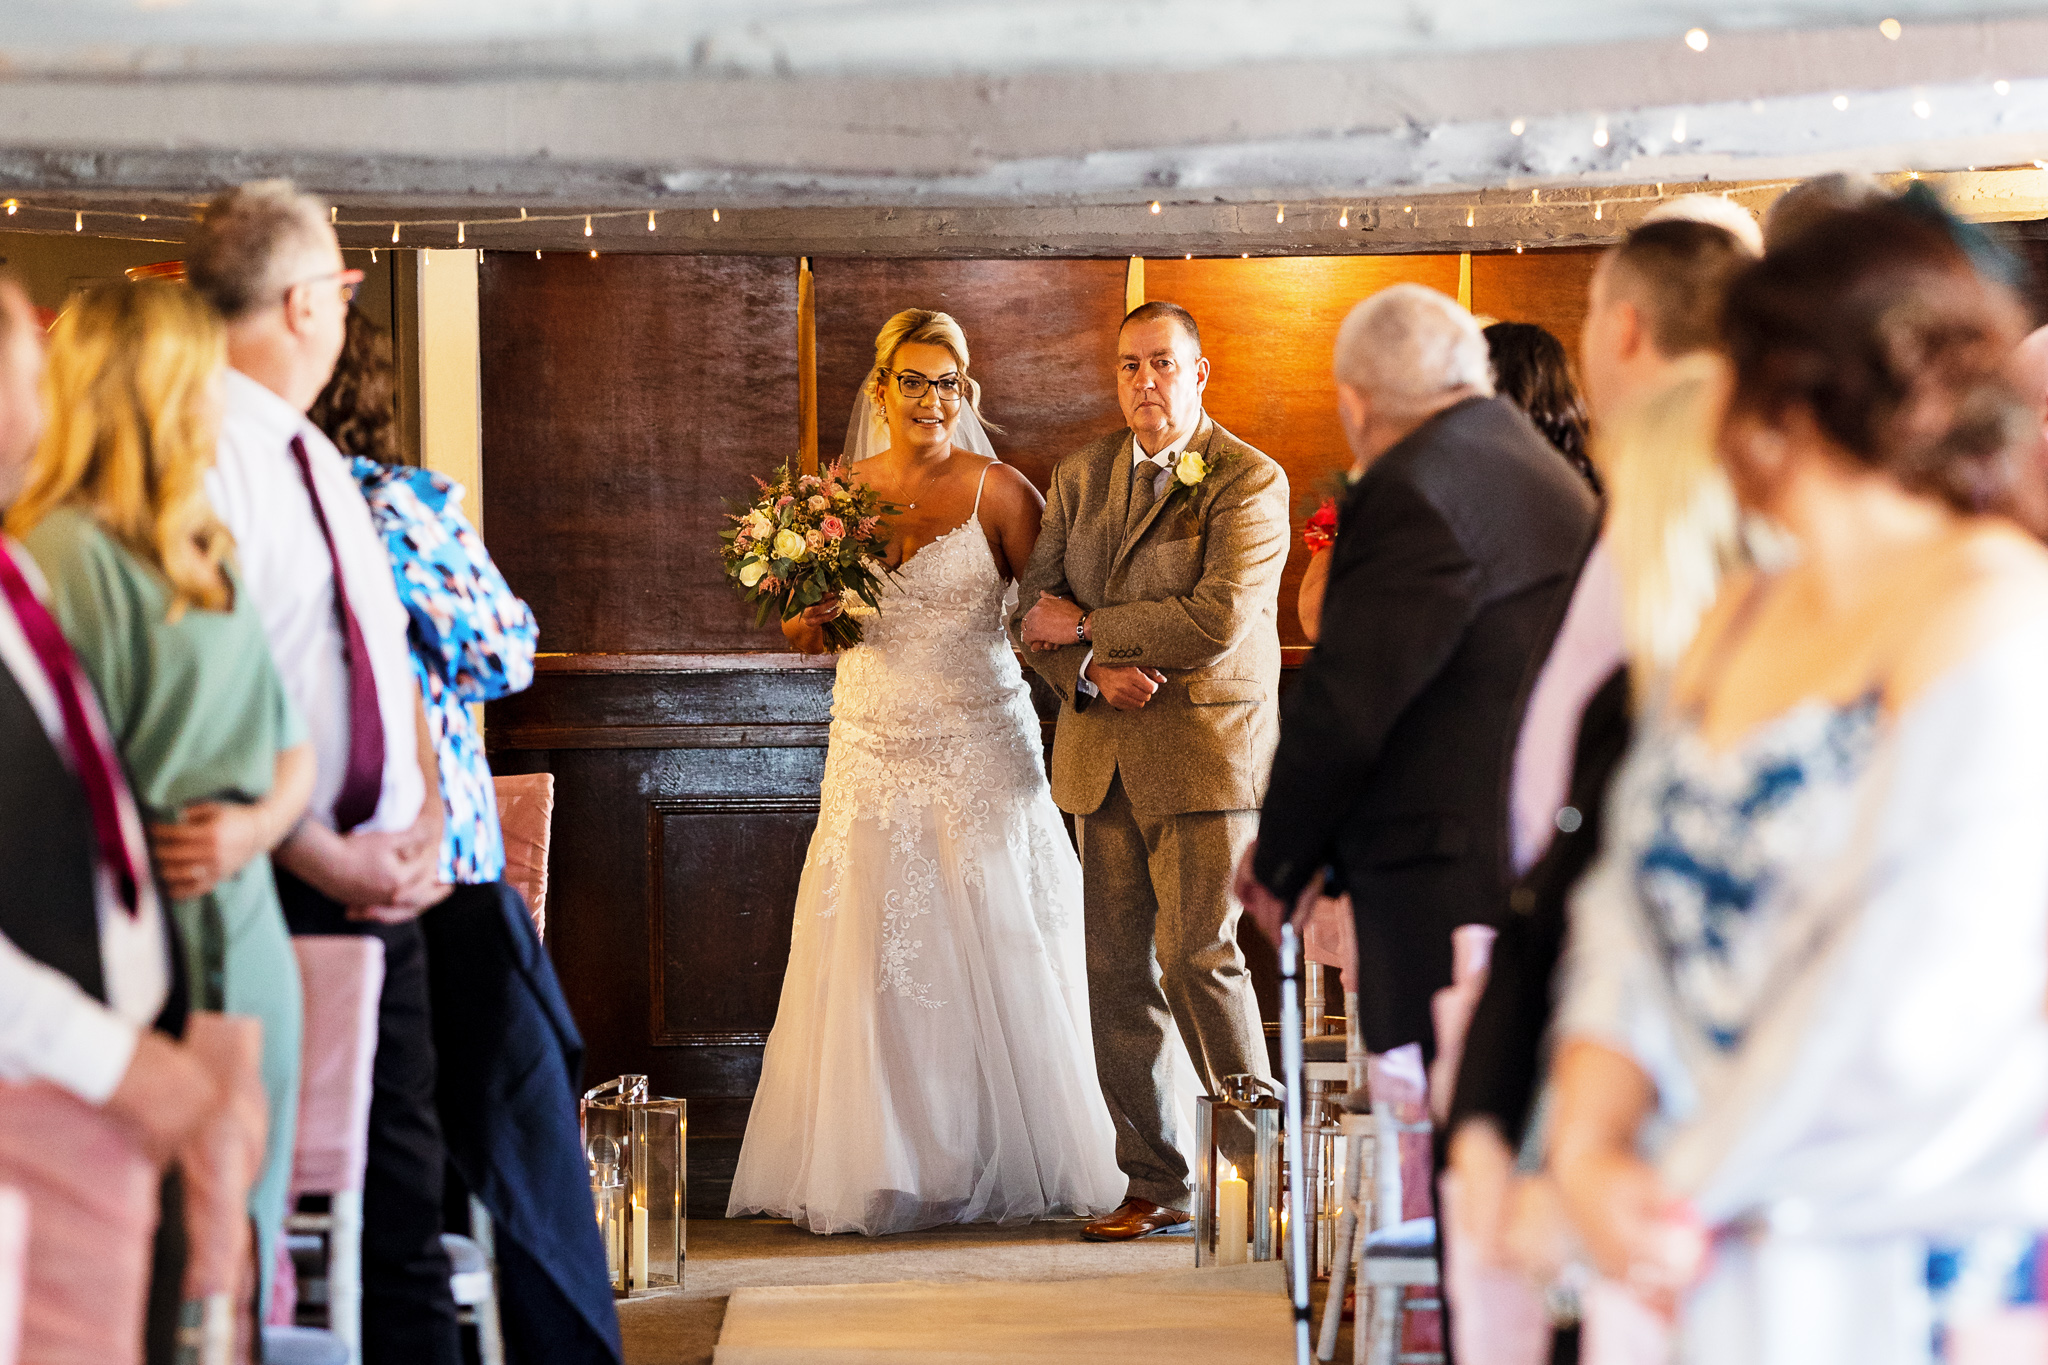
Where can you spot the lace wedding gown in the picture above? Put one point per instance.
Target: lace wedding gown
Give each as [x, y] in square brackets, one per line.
[931, 1060]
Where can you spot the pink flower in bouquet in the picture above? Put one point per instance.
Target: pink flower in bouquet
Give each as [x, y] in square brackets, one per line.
[833, 527]
[819, 502]
[784, 501]
[868, 526]
[815, 539]
[808, 481]
[771, 585]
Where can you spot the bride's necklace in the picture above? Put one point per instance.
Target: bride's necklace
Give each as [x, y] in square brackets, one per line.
[923, 489]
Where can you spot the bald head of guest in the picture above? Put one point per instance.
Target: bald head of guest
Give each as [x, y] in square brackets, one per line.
[1403, 356]
[21, 373]
[1655, 299]
[267, 260]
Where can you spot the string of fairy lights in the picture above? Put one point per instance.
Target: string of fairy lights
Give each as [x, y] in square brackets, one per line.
[1442, 213]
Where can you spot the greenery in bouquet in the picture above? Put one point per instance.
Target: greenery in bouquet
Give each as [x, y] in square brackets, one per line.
[806, 537]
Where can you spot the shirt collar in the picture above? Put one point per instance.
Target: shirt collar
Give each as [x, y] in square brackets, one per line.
[249, 401]
[1165, 458]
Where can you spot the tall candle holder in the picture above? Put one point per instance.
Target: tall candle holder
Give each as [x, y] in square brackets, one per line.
[1261, 1192]
[650, 1136]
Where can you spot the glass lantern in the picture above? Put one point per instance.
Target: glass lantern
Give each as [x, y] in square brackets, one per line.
[1237, 1213]
[650, 1137]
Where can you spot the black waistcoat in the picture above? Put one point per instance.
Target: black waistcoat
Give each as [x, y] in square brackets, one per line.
[46, 848]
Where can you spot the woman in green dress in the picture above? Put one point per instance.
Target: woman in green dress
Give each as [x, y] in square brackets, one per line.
[142, 582]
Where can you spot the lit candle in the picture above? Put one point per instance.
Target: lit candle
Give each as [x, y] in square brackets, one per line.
[1233, 1217]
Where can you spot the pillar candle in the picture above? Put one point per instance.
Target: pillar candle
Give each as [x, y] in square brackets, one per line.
[640, 1274]
[1233, 1218]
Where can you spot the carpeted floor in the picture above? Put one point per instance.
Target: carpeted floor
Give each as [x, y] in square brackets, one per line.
[680, 1327]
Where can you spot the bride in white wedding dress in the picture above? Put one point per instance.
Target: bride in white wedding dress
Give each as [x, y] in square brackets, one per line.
[931, 1060]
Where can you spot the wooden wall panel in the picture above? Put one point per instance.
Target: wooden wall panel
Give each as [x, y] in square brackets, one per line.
[1547, 288]
[1268, 326]
[1042, 336]
[623, 399]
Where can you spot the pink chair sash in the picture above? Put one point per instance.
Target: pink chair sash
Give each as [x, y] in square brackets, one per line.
[13, 1270]
[342, 976]
[526, 809]
[92, 1213]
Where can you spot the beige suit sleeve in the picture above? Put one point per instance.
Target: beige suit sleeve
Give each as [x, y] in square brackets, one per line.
[1244, 552]
[1047, 572]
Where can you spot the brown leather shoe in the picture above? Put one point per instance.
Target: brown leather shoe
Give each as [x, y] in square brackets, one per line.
[1135, 1218]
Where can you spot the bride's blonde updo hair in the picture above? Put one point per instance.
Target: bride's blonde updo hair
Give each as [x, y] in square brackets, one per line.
[923, 327]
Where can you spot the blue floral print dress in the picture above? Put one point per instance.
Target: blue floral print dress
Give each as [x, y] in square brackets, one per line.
[473, 640]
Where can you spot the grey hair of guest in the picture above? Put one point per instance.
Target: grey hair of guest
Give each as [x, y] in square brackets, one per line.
[1409, 346]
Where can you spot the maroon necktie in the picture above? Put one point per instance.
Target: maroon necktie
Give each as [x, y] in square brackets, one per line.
[98, 772]
[363, 780]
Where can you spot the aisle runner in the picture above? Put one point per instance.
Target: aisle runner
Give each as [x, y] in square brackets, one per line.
[1232, 1314]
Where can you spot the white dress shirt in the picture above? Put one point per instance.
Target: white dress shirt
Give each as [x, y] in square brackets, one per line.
[256, 489]
[1163, 462]
[50, 1028]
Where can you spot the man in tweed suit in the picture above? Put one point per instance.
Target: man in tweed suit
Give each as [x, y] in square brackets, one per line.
[1149, 605]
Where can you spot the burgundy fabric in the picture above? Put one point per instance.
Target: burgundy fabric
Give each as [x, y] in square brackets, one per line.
[98, 771]
[363, 781]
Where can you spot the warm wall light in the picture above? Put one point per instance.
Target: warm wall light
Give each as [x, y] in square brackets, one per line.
[593, 253]
[1518, 248]
[586, 225]
[650, 220]
[1519, 127]
[536, 253]
[461, 233]
[1891, 29]
[373, 255]
[522, 215]
[1155, 206]
[1841, 102]
[394, 232]
[1600, 133]
[78, 222]
[1471, 218]
[1596, 213]
[1696, 39]
[333, 212]
[2001, 87]
[1678, 129]
[714, 215]
[1344, 218]
[12, 205]
[1923, 108]
[1280, 213]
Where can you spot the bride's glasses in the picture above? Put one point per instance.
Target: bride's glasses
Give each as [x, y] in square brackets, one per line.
[911, 384]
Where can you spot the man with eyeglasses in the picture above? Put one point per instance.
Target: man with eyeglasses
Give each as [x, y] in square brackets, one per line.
[366, 859]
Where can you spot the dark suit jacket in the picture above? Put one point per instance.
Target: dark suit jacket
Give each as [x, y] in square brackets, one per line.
[1503, 1061]
[1455, 557]
[509, 1065]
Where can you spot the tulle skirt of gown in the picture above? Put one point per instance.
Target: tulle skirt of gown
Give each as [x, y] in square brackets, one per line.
[931, 1060]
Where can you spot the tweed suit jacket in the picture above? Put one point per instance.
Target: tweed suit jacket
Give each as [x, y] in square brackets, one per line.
[1192, 590]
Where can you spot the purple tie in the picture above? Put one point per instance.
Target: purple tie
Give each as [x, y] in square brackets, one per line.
[363, 781]
[98, 772]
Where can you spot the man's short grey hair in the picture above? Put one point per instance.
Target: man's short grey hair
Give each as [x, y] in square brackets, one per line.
[249, 240]
[1408, 346]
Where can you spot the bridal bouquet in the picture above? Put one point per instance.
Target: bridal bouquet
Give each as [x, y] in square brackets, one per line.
[807, 536]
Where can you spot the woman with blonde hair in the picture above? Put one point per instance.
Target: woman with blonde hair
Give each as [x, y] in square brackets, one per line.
[932, 1060]
[142, 581]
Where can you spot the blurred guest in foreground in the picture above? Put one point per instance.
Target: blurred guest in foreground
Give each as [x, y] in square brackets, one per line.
[1531, 370]
[366, 859]
[143, 581]
[96, 1092]
[508, 1050]
[1803, 1067]
[1668, 531]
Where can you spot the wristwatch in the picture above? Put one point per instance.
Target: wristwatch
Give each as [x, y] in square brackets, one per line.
[1081, 628]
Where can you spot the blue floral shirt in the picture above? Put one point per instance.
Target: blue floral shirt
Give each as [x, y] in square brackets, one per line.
[472, 640]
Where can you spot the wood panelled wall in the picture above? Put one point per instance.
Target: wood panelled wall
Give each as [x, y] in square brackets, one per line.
[625, 400]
